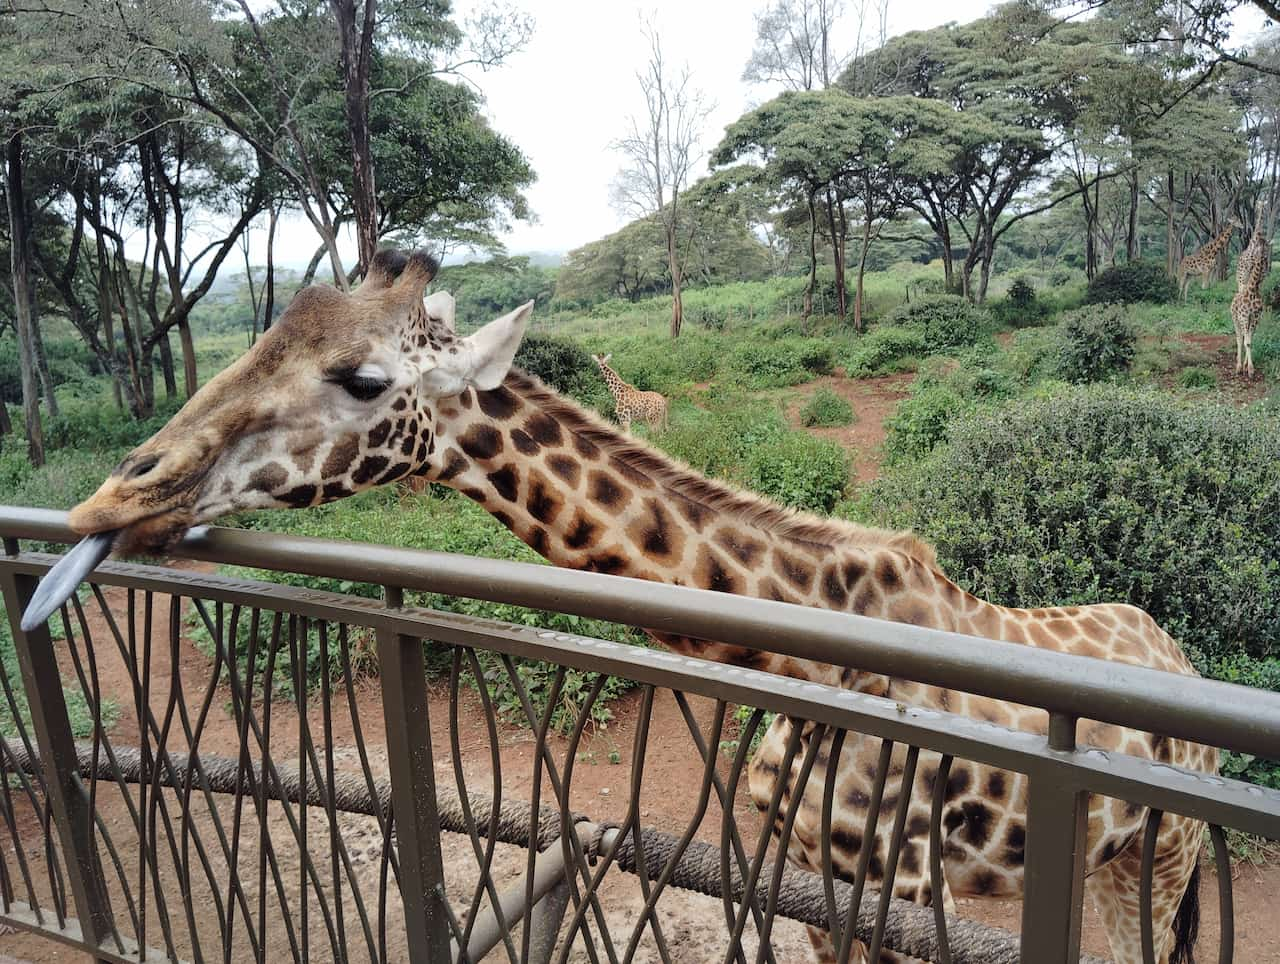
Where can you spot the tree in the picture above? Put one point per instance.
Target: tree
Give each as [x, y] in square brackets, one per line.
[659, 154]
[24, 299]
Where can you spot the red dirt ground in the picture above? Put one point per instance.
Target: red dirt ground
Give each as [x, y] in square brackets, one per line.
[874, 400]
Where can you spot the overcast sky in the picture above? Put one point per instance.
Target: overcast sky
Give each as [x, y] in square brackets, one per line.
[565, 99]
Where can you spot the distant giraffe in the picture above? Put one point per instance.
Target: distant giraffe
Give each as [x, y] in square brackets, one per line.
[1204, 261]
[630, 402]
[1246, 305]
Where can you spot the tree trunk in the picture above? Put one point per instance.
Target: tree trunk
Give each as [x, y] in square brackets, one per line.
[6, 424]
[813, 259]
[858, 326]
[166, 367]
[23, 297]
[356, 53]
[673, 260]
[1173, 252]
[1131, 237]
[837, 257]
[269, 298]
[42, 362]
[190, 378]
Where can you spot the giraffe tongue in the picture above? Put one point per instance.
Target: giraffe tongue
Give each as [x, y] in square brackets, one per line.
[67, 574]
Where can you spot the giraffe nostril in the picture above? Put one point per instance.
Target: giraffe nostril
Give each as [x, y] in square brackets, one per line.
[142, 467]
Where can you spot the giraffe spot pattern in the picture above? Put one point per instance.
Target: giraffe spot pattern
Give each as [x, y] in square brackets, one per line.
[565, 468]
[481, 442]
[268, 478]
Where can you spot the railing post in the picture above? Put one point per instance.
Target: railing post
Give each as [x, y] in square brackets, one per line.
[1053, 868]
[403, 674]
[68, 797]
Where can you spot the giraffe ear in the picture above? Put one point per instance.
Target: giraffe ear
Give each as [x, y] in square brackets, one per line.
[441, 307]
[484, 359]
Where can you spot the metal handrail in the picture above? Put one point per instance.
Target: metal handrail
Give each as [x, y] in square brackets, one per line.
[1241, 719]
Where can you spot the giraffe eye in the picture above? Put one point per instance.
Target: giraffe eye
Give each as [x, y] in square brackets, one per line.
[360, 384]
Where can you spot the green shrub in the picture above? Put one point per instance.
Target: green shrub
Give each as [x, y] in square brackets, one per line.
[1110, 495]
[562, 364]
[1198, 377]
[883, 349]
[98, 425]
[799, 471]
[776, 364]
[826, 408]
[921, 422]
[945, 321]
[1095, 343]
[68, 359]
[1020, 307]
[1130, 282]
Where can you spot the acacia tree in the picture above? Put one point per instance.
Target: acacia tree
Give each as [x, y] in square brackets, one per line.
[660, 152]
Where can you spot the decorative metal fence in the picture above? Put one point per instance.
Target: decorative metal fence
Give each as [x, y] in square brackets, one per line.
[268, 799]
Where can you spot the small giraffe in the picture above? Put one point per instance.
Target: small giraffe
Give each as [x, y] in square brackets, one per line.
[629, 402]
[1246, 305]
[1205, 261]
[351, 391]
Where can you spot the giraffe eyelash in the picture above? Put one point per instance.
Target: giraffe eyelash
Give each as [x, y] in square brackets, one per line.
[357, 383]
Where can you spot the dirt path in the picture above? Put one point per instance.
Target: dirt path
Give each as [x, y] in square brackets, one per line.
[874, 401]
[1218, 352]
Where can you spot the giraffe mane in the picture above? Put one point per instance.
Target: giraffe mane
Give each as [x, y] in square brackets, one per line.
[714, 494]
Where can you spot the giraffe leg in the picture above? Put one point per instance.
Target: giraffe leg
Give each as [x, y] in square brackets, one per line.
[1116, 891]
[1239, 352]
[1248, 353]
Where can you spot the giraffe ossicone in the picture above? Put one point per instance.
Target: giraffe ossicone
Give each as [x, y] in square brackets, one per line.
[350, 391]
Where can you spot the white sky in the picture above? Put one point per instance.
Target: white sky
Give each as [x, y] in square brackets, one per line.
[567, 97]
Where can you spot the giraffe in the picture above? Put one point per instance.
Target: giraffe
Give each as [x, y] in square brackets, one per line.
[629, 402]
[1246, 305]
[354, 390]
[1204, 261]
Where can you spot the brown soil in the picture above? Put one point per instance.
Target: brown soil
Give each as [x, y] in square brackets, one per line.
[874, 400]
[1219, 353]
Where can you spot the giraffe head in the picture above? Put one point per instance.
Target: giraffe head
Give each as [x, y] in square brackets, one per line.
[602, 360]
[340, 395]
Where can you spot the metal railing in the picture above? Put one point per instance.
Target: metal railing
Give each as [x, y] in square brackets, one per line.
[246, 803]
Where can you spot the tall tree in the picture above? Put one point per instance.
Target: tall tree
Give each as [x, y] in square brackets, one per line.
[659, 153]
[24, 296]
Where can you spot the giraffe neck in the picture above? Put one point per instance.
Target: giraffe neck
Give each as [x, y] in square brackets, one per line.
[617, 387]
[586, 497]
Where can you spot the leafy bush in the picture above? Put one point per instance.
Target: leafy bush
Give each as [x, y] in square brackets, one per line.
[1198, 377]
[883, 349]
[945, 321]
[562, 364]
[799, 471]
[775, 364]
[95, 425]
[921, 422]
[1105, 495]
[1130, 282]
[1095, 343]
[1020, 307]
[826, 408]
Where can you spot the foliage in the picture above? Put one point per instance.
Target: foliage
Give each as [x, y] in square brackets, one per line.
[885, 349]
[484, 290]
[921, 422]
[1095, 343]
[563, 365]
[1105, 494]
[1197, 377]
[1132, 281]
[1020, 307]
[800, 471]
[825, 408]
[944, 321]
[762, 364]
[70, 363]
